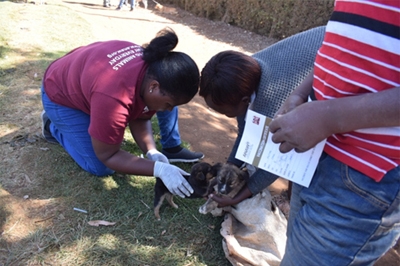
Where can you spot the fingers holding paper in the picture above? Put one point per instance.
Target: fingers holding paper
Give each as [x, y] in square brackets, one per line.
[301, 128]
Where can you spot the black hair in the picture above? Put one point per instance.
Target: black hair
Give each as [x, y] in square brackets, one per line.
[229, 76]
[176, 72]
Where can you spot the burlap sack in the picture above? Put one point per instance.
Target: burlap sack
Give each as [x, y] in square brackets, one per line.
[254, 232]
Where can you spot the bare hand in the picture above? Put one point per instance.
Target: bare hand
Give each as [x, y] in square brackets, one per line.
[223, 201]
[301, 128]
[291, 102]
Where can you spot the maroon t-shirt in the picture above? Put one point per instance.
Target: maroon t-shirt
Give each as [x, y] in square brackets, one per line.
[103, 80]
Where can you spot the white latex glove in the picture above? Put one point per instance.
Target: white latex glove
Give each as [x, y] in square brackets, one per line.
[155, 156]
[172, 178]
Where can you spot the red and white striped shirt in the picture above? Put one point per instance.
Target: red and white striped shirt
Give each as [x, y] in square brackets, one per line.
[361, 54]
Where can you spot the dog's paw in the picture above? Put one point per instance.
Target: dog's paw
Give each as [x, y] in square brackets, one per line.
[157, 214]
[202, 209]
[208, 206]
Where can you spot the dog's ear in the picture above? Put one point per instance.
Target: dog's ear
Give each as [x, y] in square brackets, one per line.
[206, 173]
[209, 176]
[215, 169]
[200, 176]
[211, 184]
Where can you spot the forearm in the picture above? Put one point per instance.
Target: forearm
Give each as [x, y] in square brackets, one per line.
[121, 161]
[298, 96]
[142, 132]
[260, 180]
[305, 88]
[125, 162]
[309, 123]
[368, 110]
[243, 194]
[171, 176]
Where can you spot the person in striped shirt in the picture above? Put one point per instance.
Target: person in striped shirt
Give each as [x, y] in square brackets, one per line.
[350, 214]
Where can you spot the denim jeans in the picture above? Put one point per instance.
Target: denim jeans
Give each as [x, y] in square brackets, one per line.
[121, 2]
[70, 128]
[343, 218]
[169, 129]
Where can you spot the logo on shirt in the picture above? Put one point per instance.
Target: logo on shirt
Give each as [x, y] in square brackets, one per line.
[121, 57]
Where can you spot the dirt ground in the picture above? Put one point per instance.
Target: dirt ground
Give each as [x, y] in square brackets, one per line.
[205, 130]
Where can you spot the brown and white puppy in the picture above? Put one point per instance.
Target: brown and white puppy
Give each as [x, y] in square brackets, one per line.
[200, 176]
[229, 181]
[165, 10]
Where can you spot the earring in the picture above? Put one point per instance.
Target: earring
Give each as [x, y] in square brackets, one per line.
[151, 91]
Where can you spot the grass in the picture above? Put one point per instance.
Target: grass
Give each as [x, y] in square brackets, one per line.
[40, 184]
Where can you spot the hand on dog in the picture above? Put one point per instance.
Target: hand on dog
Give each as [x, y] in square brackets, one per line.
[155, 155]
[172, 177]
[222, 201]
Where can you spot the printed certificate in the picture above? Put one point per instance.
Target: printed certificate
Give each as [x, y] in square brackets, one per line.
[257, 148]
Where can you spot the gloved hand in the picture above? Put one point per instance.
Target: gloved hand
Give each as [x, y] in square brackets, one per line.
[155, 156]
[173, 179]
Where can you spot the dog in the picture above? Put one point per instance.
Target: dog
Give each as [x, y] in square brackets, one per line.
[200, 177]
[229, 181]
[164, 9]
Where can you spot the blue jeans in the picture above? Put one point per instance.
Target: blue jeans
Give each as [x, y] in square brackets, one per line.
[169, 129]
[121, 2]
[343, 218]
[70, 128]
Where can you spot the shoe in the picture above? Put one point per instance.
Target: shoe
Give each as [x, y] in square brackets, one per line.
[118, 8]
[132, 9]
[184, 156]
[46, 133]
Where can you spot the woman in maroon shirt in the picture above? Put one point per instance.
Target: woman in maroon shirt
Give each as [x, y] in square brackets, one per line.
[94, 92]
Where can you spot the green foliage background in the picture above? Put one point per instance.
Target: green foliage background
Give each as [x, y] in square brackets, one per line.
[272, 18]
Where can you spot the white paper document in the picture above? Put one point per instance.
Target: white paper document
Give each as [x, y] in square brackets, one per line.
[257, 148]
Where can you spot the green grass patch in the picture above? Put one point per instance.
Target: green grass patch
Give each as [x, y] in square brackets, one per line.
[40, 184]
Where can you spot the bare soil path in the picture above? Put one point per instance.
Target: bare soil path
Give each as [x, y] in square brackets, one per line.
[205, 130]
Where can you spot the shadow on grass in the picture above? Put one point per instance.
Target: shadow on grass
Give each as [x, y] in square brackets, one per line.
[56, 185]
[40, 185]
[44, 226]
